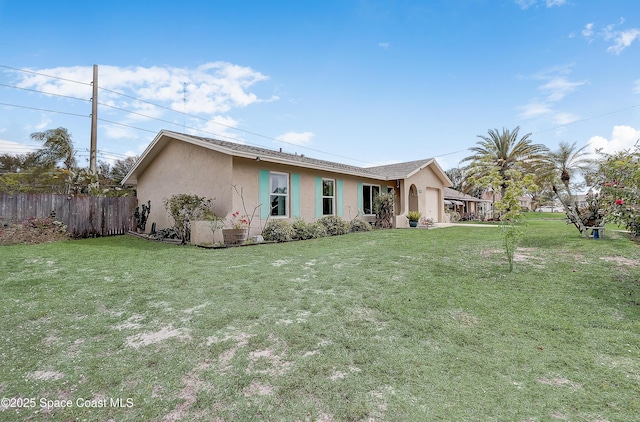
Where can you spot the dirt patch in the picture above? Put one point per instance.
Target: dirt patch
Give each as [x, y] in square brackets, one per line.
[145, 339]
[267, 362]
[46, 375]
[464, 318]
[132, 323]
[33, 231]
[195, 308]
[560, 382]
[280, 262]
[620, 260]
[258, 389]
[192, 385]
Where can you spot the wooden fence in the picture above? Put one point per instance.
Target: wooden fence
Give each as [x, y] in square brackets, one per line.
[84, 216]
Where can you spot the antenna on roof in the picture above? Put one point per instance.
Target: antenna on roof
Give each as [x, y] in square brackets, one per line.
[184, 106]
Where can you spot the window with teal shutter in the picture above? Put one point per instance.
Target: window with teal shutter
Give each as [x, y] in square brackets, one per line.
[263, 193]
[360, 199]
[318, 197]
[295, 196]
[339, 197]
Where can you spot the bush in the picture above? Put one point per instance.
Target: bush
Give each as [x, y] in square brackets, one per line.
[334, 225]
[454, 216]
[278, 231]
[383, 207]
[358, 225]
[304, 231]
[184, 208]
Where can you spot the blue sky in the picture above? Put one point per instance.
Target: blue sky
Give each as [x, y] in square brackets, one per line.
[364, 82]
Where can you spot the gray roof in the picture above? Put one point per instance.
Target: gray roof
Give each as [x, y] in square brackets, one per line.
[263, 152]
[400, 170]
[450, 193]
[387, 172]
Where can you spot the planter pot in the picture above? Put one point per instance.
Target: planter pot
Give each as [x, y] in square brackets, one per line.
[413, 223]
[235, 237]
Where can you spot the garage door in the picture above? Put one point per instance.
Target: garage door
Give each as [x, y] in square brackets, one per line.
[432, 204]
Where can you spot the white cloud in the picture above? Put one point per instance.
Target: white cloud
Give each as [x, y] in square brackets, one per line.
[525, 4]
[563, 118]
[296, 138]
[622, 137]
[384, 45]
[210, 88]
[534, 109]
[636, 86]
[622, 39]
[14, 148]
[219, 128]
[556, 86]
[559, 87]
[587, 32]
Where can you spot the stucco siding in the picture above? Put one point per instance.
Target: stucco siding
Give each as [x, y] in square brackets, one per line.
[184, 168]
[246, 176]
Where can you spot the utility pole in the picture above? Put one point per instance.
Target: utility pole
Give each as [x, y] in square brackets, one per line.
[94, 122]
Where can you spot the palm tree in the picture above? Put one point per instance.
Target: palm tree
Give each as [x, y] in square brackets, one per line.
[58, 146]
[563, 164]
[567, 161]
[503, 150]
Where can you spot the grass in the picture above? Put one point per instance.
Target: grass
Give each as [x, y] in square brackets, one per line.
[386, 325]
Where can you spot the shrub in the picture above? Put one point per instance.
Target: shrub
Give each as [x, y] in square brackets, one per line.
[414, 216]
[278, 231]
[184, 208]
[358, 225]
[454, 216]
[383, 207]
[304, 231]
[334, 225]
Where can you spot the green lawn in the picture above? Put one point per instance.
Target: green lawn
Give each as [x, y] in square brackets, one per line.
[404, 325]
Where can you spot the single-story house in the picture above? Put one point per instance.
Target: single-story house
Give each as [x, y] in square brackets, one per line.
[467, 206]
[278, 184]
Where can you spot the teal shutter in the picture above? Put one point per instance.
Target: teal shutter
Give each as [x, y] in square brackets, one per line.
[339, 197]
[263, 194]
[318, 197]
[295, 196]
[360, 199]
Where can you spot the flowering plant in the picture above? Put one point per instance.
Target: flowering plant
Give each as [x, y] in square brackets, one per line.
[238, 222]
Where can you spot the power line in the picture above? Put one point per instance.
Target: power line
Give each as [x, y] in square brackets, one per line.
[48, 76]
[44, 92]
[588, 118]
[42, 109]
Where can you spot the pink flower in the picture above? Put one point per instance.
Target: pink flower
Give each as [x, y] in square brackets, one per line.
[619, 201]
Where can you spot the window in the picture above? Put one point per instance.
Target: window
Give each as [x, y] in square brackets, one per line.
[328, 196]
[369, 194]
[279, 193]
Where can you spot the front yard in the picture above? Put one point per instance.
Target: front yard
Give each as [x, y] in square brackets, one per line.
[385, 325]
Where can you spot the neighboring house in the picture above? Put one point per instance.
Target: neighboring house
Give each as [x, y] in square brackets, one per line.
[279, 184]
[488, 198]
[467, 206]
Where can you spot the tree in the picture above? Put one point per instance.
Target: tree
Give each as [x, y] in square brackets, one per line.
[459, 176]
[619, 179]
[185, 208]
[504, 152]
[515, 185]
[57, 147]
[563, 165]
[121, 168]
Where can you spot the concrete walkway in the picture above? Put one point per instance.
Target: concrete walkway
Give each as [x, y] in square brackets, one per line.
[443, 225]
